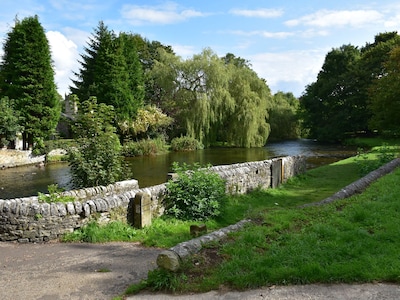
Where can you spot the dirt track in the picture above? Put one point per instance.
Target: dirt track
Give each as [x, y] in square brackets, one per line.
[71, 271]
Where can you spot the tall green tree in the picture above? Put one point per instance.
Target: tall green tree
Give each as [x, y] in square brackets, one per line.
[195, 93]
[212, 100]
[148, 53]
[246, 125]
[111, 71]
[27, 79]
[370, 67]
[327, 105]
[97, 159]
[337, 103]
[384, 97]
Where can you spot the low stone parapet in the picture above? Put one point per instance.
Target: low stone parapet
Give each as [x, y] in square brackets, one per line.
[28, 220]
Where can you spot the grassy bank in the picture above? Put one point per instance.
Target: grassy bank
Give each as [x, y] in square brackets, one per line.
[352, 240]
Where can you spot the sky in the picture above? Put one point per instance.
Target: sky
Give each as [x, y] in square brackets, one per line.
[285, 41]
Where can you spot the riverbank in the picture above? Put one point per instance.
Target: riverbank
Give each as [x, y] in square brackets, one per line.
[15, 158]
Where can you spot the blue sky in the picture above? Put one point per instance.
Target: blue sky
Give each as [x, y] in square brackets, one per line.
[285, 41]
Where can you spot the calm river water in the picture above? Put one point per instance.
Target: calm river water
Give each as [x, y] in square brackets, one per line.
[151, 170]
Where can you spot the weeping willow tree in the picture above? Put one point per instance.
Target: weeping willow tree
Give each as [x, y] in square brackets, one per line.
[212, 100]
[247, 126]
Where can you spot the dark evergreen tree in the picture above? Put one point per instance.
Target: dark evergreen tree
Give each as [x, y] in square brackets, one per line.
[85, 83]
[134, 68]
[27, 78]
[110, 71]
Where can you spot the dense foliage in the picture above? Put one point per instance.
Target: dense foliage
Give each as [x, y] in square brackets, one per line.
[185, 143]
[27, 79]
[283, 117]
[384, 96]
[111, 71]
[213, 100]
[195, 194]
[9, 120]
[97, 159]
[355, 91]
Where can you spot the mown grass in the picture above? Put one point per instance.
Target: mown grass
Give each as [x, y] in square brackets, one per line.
[352, 240]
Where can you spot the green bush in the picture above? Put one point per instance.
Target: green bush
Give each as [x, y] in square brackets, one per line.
[144, 147]
[196, 193]
[97, 161]
[186, 144]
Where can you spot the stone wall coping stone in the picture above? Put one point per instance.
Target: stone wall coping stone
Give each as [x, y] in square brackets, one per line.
[172, 258]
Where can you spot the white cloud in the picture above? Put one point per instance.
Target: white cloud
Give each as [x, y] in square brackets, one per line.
[163, 14]
[338, 18]
[299, 68]
[184, 51]
[79, 37]
[266, 34]
[65, 58]
[257, 13]
[393, 23]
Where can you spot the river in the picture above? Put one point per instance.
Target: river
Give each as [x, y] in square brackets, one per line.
[151, 170]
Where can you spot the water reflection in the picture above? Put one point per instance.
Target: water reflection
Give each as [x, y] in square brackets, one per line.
[29, 180]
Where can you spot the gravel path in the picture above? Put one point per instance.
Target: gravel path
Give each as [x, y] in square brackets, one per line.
[71, 271]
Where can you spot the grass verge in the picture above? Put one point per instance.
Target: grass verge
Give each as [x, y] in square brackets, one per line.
[351, 240]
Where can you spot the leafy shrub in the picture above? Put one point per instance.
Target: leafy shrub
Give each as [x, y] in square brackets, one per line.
[186, 144]
[55, 195]
[144, 147]
[97, 161]
[59, 144]
[196, 193]
[384, 154]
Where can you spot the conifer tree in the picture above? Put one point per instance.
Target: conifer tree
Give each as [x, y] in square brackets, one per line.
[111, 72]
[27, 79]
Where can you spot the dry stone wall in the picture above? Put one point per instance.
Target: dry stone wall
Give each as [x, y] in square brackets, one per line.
[28, 220]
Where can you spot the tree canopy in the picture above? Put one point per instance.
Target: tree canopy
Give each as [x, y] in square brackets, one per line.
[283, 117]
[213, 101]
[111, 71]
[27, 79]
[341, 100]
[384, 96]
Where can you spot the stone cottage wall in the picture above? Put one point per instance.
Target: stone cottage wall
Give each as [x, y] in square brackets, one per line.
[28, 220]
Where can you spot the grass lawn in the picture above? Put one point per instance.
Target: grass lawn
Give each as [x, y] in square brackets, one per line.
[351, 240]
